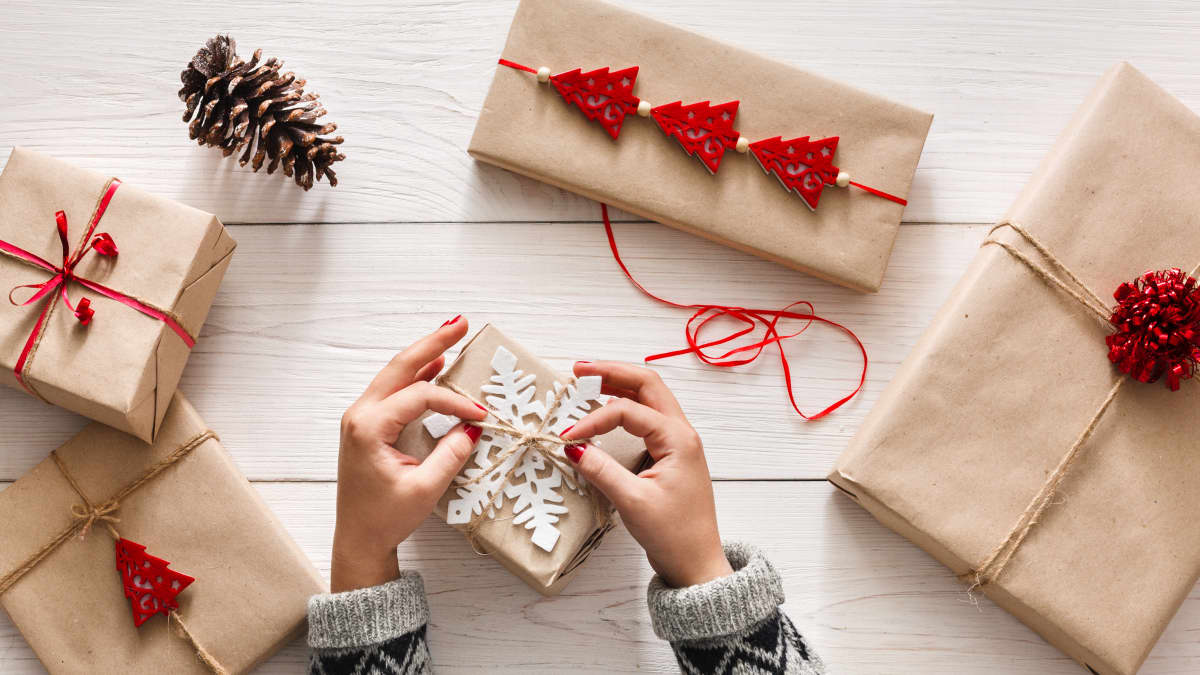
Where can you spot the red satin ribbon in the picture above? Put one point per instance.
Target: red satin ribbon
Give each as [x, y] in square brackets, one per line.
[739, 356]
[64, 274]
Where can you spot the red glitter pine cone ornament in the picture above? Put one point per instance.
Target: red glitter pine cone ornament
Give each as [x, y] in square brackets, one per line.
[234, 105]
[1158, 327]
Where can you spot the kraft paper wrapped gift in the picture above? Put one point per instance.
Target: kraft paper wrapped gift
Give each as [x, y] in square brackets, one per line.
[567, 535]
[252, 582]
[528, 128]
[1011, 373]
[123, 366]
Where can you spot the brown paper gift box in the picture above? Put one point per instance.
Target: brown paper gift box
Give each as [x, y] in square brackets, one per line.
[1011, 372]
[529, 129]
[581, 528]
[252, 581]
[123, 368]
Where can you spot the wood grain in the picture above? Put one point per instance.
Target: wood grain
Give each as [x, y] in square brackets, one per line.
[95, 83]
[308, 314]
[867, 600]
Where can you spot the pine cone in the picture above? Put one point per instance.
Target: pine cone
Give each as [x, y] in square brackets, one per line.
[251, 105]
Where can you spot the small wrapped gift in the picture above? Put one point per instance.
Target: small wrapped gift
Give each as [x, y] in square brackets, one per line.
[1032, 440]
[108, 533]
[519, 498]
[110, 286]
[772, 141]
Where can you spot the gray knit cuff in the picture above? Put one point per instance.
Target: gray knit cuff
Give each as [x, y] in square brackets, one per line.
[367, 616]
[722, 606]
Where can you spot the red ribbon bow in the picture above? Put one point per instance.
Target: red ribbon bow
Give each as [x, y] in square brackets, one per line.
[64, 274]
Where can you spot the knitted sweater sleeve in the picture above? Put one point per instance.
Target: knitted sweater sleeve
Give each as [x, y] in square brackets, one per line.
[732, 624]
[371, 630]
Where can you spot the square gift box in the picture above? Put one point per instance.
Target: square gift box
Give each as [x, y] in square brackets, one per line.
[186, 502]
[110, 342]
[1008, 445]
[519, 500]
[845, 238]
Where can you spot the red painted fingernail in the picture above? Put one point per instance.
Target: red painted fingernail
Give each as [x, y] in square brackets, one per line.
[583, 363]
[481, 407]
[473, 433]
[451, 321]
[575, 452]
[564, 431]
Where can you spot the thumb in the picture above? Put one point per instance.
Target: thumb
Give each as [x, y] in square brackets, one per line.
[448, 457]
[605, 473]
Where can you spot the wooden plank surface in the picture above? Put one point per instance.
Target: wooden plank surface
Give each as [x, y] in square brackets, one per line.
[418, 232]
[96, 83]
[865, 598]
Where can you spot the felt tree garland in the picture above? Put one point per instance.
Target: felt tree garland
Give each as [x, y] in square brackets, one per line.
[803, 166]
[149, 583]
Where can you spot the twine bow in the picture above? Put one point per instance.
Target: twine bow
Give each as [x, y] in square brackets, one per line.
[997, 560]
[86, 515]
[548, 445]
[64, 274]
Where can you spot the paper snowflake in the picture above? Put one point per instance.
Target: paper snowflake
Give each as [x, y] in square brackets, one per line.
[535, 487]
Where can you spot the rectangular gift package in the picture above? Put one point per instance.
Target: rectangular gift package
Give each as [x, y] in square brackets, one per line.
[1014, 369]
[252, 582]
[529, 129]
[122, 367]
[510, 538]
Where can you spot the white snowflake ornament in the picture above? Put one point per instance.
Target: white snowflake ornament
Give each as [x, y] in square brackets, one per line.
[534, 485]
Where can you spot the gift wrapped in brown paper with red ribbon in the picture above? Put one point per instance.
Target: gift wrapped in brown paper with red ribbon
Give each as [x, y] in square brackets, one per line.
[107, 288]
[704, 137]
[121, 557]
[519, 499]
[1041, 438]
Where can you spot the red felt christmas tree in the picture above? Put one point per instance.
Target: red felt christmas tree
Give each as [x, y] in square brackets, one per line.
[803, 166]
[705, 131]
[603, 97]
[149, 583]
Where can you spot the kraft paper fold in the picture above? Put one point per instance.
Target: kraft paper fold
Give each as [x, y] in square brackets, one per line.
[527, 128]
[252, 581]
[1011, 371]
[582, 531]
[122, 369]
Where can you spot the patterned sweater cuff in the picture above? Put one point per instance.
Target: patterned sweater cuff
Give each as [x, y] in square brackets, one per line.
[368, 615]
[722, 606]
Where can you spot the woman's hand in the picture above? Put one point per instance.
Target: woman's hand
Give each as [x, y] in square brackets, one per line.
[384, 494]
[668, 508]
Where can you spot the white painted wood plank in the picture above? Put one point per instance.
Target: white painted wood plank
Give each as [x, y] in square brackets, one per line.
[867, 600]
[308, 314]
[95, 83]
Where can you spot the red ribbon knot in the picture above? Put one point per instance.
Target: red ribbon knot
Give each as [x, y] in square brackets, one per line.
[63, 275]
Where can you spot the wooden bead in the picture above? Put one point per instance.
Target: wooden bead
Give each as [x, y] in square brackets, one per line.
[743, 144]
[543, 74]
[644, 108]
[843, 179]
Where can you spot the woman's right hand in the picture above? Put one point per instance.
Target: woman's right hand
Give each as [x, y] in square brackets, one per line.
[669, 508]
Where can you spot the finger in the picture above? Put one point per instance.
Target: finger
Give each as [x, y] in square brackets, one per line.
[617, 483]
[645, 383]
[402, 370]
[431, 369]
[637, 419]
[414, 400]
[447, 458]
[619, 393]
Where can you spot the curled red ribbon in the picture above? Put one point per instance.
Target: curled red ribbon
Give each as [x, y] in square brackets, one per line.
[738, 356]
[64, 274]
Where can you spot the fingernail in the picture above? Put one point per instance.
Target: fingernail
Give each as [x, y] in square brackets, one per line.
[473, 433]
[564, 431]
[480, 407]
[451, 321]
[575, 452]
[583, 363]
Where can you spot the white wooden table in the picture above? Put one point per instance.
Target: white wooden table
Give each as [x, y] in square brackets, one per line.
[418, 232]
